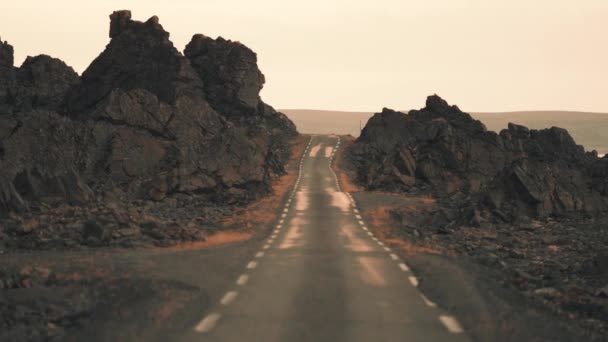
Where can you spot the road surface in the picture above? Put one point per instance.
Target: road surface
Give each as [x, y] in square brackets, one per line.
[323, 276]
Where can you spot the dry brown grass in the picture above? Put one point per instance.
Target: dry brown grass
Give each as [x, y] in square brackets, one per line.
[266, 210]
[380, 222]
[218, 239]
[243, 223]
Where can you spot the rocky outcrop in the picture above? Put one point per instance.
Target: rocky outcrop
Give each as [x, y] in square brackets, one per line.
[232, 83]
[230, 74]
[7, 76]
[139, 121]
[516, 173]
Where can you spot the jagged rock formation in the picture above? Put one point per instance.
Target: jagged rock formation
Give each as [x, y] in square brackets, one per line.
[516, 173]
[229, 72]
[143, 121]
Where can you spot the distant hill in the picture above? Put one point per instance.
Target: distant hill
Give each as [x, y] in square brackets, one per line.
[588, 129]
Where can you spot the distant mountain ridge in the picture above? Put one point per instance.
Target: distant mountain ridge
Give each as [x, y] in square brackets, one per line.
[588, 129]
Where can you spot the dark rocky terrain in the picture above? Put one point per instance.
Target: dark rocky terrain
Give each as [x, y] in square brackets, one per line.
[513, 175]
[529, 207]
[146, 146]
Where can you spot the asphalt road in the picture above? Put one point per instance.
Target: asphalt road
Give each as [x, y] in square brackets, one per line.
[323, 276]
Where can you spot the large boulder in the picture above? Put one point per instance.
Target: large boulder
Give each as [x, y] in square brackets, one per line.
[42, 83]
[232, 83]
[229, 71]
[522, 172]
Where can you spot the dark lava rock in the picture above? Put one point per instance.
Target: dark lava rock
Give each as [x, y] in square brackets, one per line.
[141, 120]
[7, 76]
[229, 72]
[517, 173]
[43, 81]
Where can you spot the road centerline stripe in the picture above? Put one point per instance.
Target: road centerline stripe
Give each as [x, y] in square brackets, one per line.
[228, 297]
[243, 278]
[208, 323]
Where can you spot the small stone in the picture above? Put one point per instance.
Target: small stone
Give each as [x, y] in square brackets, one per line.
[603, 292]
[547, 292]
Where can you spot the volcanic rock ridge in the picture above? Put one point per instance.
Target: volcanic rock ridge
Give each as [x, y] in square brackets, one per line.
[144, 123]
[508, 176]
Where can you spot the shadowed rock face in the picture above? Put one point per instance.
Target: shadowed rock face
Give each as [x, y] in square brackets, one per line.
[519, 172]
[139, 120]
[7, 76]
[229, 72]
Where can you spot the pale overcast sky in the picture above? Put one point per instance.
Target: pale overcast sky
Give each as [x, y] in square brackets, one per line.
[484, 55]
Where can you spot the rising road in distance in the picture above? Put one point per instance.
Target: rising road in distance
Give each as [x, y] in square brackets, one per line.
[323, 276]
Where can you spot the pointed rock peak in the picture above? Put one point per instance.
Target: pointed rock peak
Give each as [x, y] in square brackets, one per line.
[120, 21]
[437, 104]
[6, 54]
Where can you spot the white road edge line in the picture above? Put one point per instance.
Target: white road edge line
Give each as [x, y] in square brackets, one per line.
[208, 323]
[451, 324]
[229, 297]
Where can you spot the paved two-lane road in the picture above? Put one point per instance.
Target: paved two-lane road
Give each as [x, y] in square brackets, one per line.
[323, 276]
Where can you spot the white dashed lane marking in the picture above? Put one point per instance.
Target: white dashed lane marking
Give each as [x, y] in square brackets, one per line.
[208, 323]
[259, 254]
[252, 264]
[394, 256]
[413, 281]
[427, 301]
[451, 324]
[229, 297]
[404, 267]
[242, 280]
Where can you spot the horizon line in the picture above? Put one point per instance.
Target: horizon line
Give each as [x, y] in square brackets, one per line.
[476, 112]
